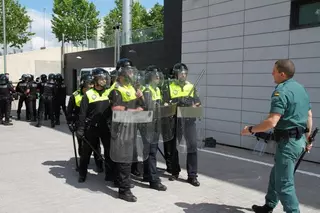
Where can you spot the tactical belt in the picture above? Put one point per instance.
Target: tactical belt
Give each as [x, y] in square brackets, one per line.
[296, 133]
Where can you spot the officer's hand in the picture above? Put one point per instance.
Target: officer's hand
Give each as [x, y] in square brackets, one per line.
[139, 93]
[308, 147]
[80, 133]
[139, 109]
[71, 127]
[245, 131]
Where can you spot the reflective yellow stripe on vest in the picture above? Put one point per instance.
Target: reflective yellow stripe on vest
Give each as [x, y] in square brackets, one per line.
[77, 97]
[93, 96]
[128, 93]
[176, 91]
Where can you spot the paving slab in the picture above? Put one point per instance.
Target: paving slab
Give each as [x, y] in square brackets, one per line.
[37, 174]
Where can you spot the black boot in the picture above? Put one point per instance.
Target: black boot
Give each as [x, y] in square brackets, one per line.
[262, 209]
[127, 196]
[194, 181]
[158, 186]
[81, 179]
[18, 116]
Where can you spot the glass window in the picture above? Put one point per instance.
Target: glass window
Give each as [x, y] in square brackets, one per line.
[305, 14]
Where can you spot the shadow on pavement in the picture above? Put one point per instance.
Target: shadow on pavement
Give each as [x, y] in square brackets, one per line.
[210, 208]
[94, 182]
[243, 173]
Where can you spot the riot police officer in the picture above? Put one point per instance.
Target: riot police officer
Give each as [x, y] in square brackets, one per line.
[22, 90]
[60, 98]
[93, 121]
[46, 98]
[179, 90]
[6, 90]
[73, 107]
[124, 98]
[32, 98]
[152, 100]
[43, 80]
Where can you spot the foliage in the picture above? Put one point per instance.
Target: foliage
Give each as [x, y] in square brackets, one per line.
[17, 24]
[74, 19]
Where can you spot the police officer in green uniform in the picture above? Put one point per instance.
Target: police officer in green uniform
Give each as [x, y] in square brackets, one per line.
[93, 120]
[124, 97]
[179, 90]
[291, 117]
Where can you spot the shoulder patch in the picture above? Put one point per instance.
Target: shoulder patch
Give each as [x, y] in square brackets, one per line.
[276, 93]
[76, 93]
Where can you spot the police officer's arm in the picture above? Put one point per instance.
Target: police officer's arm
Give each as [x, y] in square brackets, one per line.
[196, 99]
[70, 108]
[82, 115]
[278, 107]
[147, 98]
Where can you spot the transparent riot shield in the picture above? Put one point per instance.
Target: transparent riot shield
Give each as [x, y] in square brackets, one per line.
[189, 129]
[127, 145]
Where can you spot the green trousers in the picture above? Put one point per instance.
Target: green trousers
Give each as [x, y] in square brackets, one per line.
[281, 183]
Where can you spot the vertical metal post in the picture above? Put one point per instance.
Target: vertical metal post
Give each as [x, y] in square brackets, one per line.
[126, 21]
[87, 36]
[4, 37]
[115, 46]
[118, 46]
[44, 28]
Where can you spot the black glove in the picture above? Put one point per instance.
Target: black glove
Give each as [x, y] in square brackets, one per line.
[72, 128]
[80, 133]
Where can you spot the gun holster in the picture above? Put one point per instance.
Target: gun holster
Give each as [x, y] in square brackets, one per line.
[296, 133]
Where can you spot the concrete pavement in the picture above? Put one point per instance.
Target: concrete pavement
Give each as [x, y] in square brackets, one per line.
[37, 175]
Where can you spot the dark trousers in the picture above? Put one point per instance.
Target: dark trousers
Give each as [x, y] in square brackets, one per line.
[24, 99]
[190, 134]
[150, 171]
[45, 100]
[32, 106]
[93, 136]
[60, 103]
[5, 109]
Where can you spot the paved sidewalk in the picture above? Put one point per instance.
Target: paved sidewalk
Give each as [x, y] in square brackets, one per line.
[37, 175]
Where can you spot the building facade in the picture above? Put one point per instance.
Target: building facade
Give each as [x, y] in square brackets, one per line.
[238, 42]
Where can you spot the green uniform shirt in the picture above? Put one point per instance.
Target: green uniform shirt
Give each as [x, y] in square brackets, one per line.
[291, 100]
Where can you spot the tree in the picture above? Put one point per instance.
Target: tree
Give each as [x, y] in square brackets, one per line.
[73, 18]
[141, 20]
[17, 24]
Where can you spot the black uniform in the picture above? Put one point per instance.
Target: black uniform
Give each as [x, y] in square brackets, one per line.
[49, 91]
[6, 91]
[60, 98]
[32, 99]
[21, 89]
[43, 78]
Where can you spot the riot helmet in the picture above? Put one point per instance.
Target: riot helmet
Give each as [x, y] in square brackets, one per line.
[23, 77]
[43, 78]
[3, 79]
[86, 82]
[154, 76]
[114, 75]
[59, 78]
[51, 77]
[101, 77]
[180, 71]
[123, 63]
[128, 74]
[28, 78]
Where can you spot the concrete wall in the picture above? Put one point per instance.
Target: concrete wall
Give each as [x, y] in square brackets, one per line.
[34, 62]
[238, 42]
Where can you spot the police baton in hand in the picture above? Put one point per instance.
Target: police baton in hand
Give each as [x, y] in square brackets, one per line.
[310, 140]
[72, 129]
